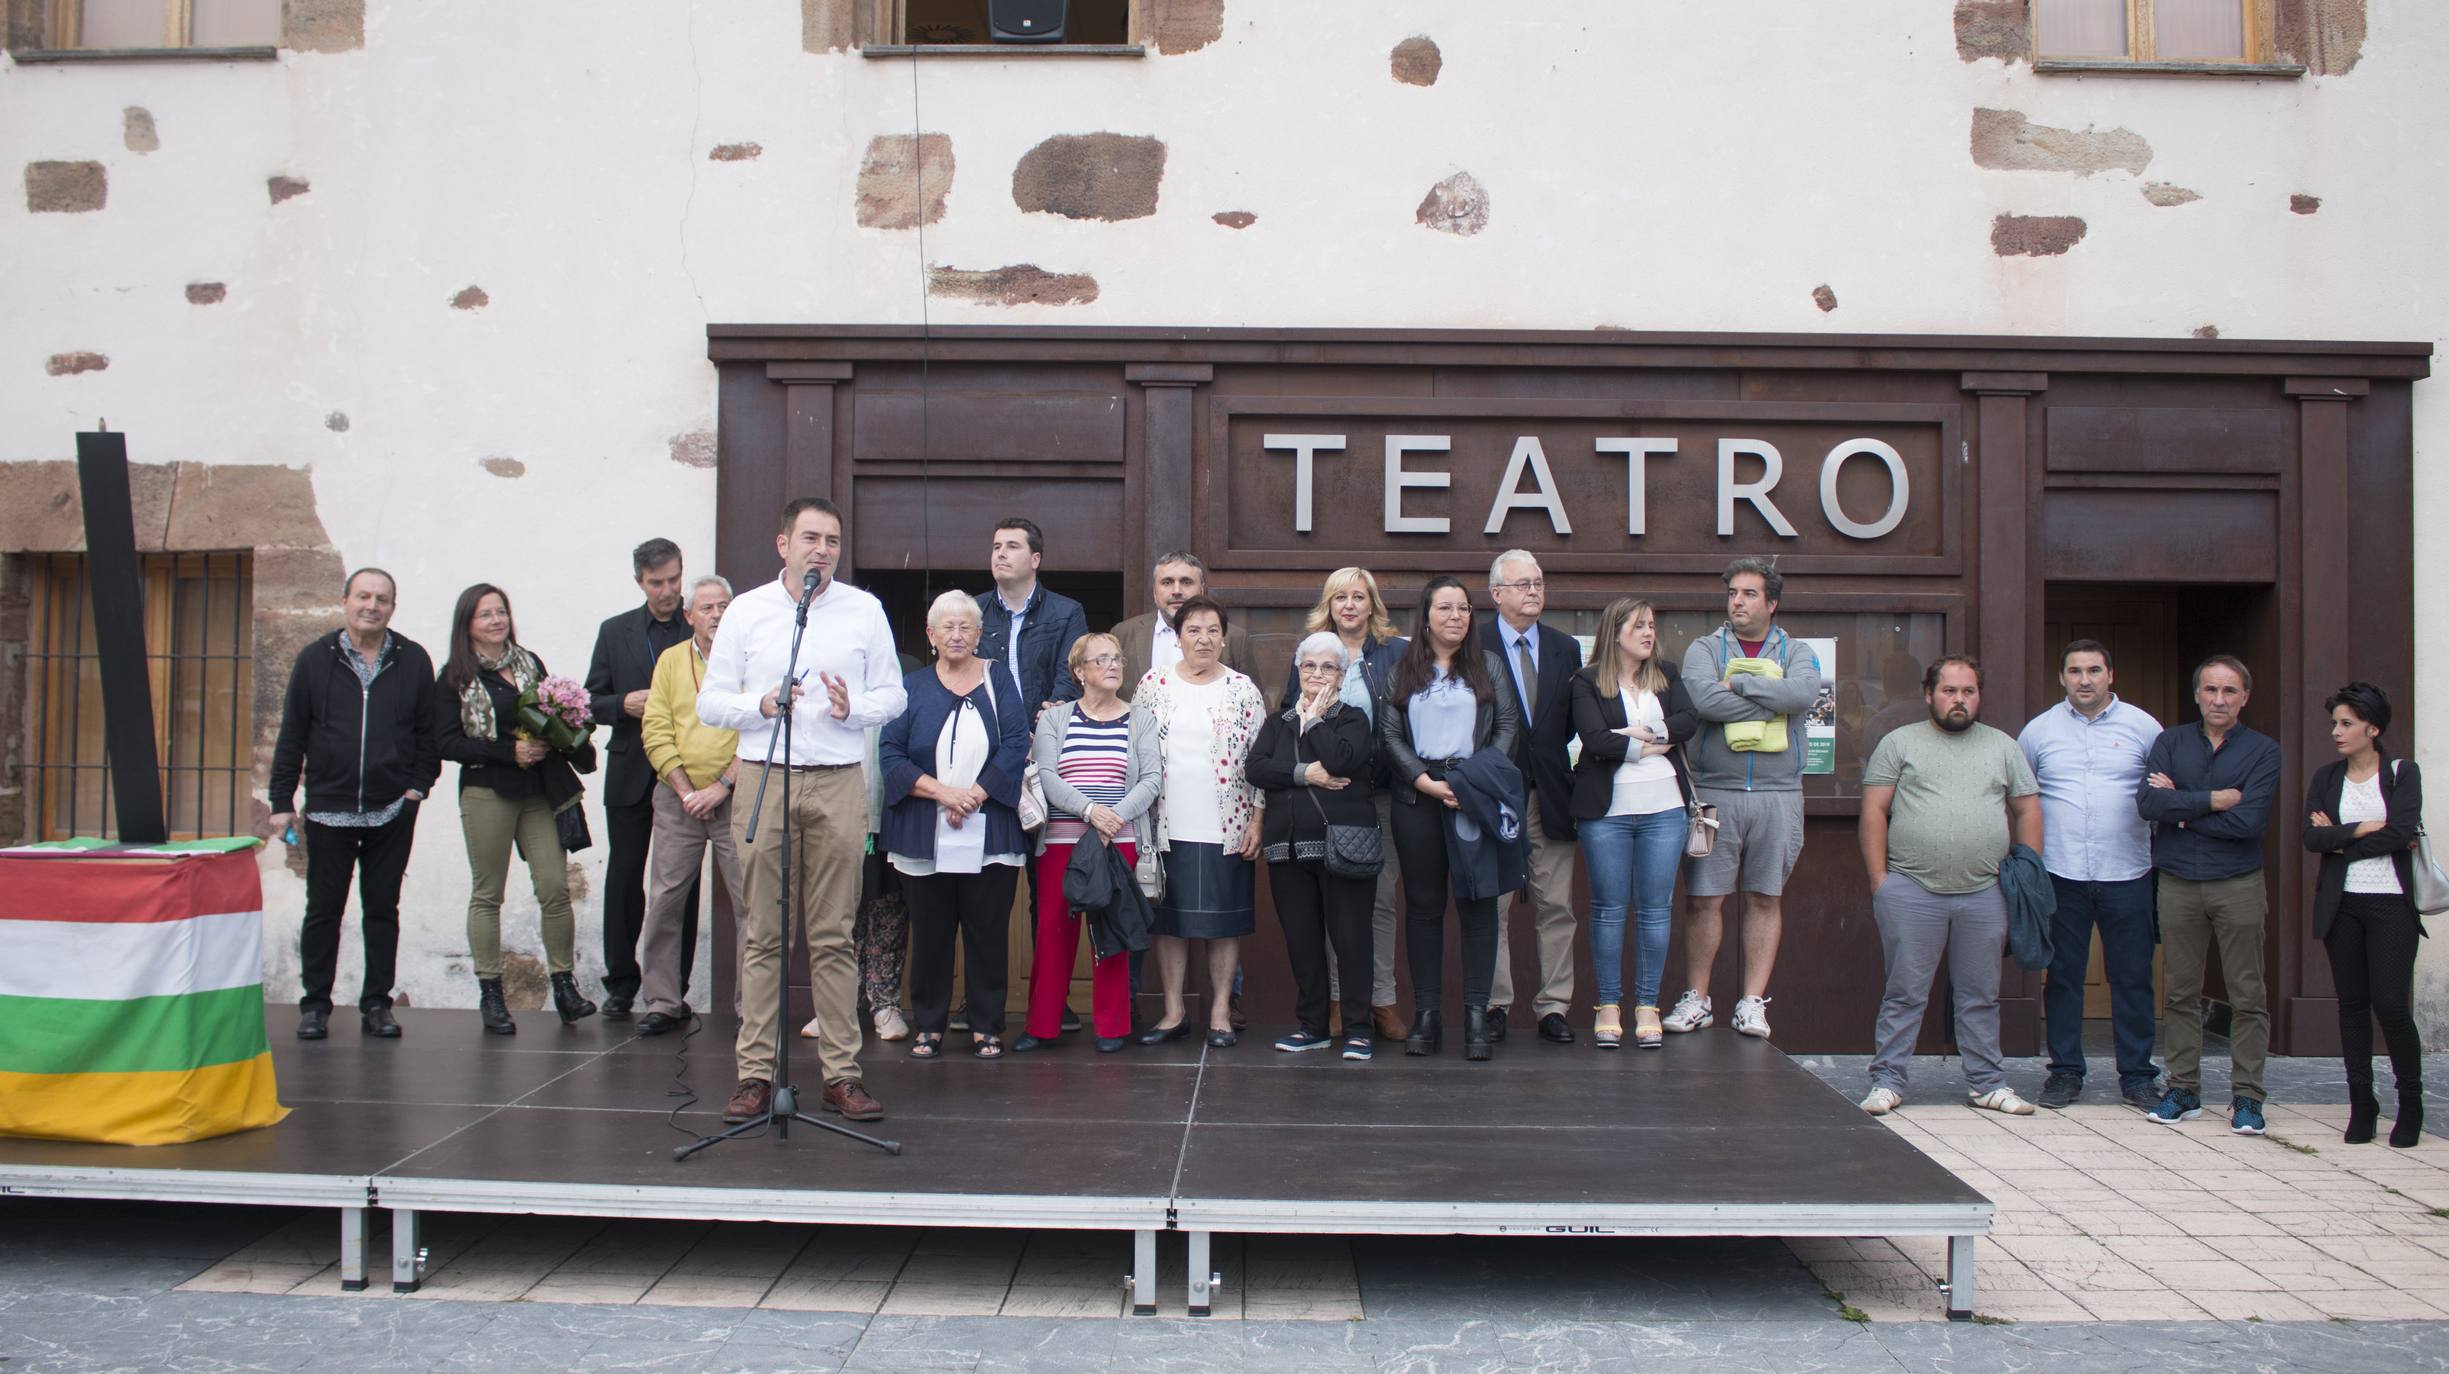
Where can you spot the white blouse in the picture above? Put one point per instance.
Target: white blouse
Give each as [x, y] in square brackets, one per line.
[2359, 802]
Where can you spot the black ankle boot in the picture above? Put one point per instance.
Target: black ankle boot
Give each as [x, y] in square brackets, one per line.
[492, 1009]
[567, 1001]
[2408, 1128]
[2363, 1112]
[1426, 1036]
[1476, 1042]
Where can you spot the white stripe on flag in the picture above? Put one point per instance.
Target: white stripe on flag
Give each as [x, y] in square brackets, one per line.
[116, 960]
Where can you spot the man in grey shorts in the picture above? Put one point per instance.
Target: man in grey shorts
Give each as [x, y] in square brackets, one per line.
[1942, 803]
[1743, 676]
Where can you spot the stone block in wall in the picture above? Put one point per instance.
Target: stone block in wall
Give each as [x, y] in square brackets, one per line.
[323, 25]
[41, 512]
[241, 507]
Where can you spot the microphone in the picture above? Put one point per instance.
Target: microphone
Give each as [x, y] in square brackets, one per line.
[809, 584]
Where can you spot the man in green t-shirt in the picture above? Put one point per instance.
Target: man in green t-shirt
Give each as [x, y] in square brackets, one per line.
[1943, 800]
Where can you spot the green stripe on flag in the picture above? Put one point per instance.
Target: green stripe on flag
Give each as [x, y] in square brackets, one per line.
[140, 1035]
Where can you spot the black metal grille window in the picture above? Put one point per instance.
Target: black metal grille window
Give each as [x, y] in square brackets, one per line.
[200, 652]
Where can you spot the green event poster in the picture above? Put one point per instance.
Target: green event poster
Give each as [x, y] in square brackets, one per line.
[1820, 722]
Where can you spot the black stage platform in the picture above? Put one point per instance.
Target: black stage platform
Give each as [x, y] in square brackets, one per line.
[1716, 1135]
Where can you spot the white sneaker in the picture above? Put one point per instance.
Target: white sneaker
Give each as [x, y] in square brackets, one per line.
[1752, 1016]
[2003, 1100]
[1881, 1101]
[1691, 1013]
[891, 1024]
[808, 1031]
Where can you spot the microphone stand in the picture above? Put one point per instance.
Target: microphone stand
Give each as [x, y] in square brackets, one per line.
[782, 1104]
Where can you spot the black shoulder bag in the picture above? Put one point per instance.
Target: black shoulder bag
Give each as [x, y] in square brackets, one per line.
[1353, 851]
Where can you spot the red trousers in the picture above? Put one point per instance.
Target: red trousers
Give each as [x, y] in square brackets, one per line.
[1058, 944]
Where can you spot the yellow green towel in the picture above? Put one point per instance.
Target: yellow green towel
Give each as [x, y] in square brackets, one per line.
[1756, 736]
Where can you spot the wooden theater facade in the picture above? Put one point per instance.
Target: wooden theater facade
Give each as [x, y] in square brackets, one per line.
[1922, 495]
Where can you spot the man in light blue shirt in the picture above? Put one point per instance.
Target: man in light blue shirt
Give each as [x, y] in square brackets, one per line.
[2088, 752]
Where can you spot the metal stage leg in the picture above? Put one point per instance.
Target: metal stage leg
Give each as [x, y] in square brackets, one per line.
[1202, 1277]
[353, 1249]
[1960, 1277]
[1143, 1273]
[407, 1256]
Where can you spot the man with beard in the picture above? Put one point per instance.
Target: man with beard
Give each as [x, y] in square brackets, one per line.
[1942, 803]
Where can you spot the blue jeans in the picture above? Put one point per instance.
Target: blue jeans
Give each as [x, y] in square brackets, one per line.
[1633, 862]
[2123, 912]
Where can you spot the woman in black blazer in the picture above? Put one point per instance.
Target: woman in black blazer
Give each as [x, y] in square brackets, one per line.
[1629, 788]
[1446, 702]
[2361, 815]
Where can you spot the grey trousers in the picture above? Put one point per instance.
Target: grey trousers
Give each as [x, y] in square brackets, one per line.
[1381, 920]
[1915, 926]
[679, 855]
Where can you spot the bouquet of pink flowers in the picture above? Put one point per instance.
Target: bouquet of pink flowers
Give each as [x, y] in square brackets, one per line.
[557, 712]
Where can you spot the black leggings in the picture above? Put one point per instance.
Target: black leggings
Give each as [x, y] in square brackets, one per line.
[1320, 910]
[1420, 843]
[977, 907]
[2372, 964]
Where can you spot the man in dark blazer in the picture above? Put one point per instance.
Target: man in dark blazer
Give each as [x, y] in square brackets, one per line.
[617, 680]
[1147, 639]
[1542, 660]
[1042, 621]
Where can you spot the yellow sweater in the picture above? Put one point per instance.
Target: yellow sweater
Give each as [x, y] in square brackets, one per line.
[670, 730]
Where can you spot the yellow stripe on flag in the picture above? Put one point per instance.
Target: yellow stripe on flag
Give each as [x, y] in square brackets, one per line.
[158, 1108]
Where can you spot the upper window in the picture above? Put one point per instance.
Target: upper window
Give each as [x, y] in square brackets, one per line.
[123, 24]
[2152, 30]
[971, 22]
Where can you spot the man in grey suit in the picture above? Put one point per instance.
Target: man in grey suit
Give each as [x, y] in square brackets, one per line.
[1148, 639]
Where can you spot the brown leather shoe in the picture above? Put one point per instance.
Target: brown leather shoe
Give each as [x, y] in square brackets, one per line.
[849, 1097]
[748, 1101]
[1389, 1022]
[1234, 1015]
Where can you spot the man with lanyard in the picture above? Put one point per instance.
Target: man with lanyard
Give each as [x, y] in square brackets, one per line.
[627, 648]
[699, 770]
[1027, 629]
[2088, 753]
[1542, 661]
[358, 723]
[848, 678]
[1758, 792]
[2207, 788]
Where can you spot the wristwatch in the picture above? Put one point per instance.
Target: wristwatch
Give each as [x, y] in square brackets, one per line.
[728, 784]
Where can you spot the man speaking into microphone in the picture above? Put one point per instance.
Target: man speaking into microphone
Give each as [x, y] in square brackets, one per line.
[847, 678]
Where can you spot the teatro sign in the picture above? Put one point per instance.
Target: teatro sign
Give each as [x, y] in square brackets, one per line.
[1390, 481]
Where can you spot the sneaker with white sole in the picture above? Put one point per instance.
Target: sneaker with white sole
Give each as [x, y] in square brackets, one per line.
[1881, 1101]
[1691, 1013]
[1752, 1016]
[2002, 1100]
[808, 1031]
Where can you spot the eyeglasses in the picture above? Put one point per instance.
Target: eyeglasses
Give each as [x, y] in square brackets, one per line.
[1528, 584]
[1320, 669]
[1106, 661]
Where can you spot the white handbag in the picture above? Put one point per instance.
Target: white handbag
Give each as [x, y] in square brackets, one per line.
[2431, 894]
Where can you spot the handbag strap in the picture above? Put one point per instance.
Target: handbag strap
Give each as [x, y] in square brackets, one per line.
[1312, 791]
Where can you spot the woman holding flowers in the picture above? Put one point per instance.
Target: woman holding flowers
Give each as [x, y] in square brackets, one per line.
[520, 739]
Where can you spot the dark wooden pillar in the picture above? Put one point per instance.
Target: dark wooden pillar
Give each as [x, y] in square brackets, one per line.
[2006, 491]
[808, 466]
[1163, 493]
[2318, 654]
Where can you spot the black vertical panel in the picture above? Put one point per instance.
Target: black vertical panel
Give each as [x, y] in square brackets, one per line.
[116, 582]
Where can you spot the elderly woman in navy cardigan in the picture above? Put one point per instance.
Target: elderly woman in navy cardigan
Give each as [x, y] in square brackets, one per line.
[952, 767]
[2361, 815]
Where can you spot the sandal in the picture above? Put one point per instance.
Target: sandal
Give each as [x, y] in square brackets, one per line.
[928, 1045]
[1607, 1032]
[989, 1047]
[1648, 1033]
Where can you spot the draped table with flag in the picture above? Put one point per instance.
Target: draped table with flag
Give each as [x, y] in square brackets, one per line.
[131, 992]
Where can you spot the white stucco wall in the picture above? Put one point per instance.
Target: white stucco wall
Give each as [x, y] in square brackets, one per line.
[1652, 164]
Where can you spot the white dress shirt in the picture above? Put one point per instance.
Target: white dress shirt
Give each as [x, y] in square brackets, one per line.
[2089, 771]
[848, 637]
[1164, 646]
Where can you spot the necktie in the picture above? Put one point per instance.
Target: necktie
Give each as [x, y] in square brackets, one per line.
[1530, 676]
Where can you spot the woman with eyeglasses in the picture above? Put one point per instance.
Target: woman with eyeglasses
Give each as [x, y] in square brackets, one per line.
[1313, 760]
[1350, 606]
[1633, 715]
[1448, 701]
[1206, 716]
[1099, 763]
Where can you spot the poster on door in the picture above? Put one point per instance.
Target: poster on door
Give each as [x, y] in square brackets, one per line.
[1820, 722]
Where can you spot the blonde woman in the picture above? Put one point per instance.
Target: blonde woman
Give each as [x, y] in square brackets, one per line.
[1350, 607]
[1633, 716]
[1206, 717]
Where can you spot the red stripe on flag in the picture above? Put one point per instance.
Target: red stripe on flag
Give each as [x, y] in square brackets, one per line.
[129, 889]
